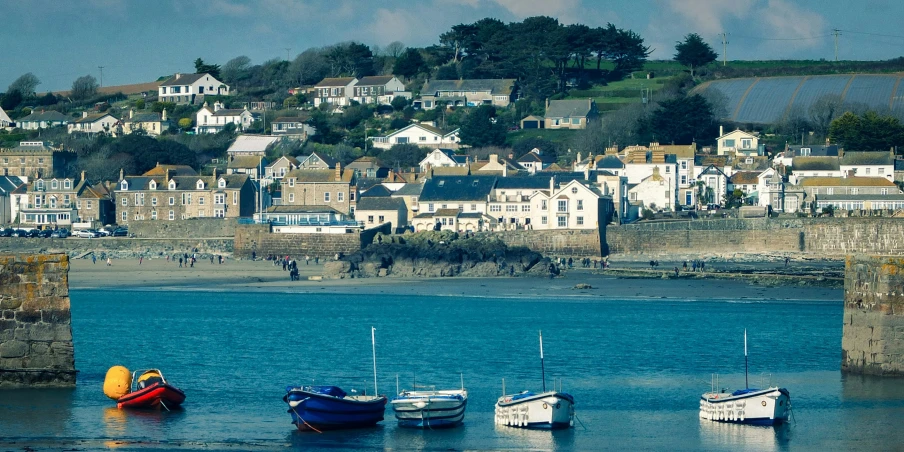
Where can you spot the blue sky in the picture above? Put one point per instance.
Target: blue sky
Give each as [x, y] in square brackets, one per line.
[139, 40]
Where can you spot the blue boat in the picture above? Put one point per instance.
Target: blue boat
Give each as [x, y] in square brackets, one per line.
[330, 408]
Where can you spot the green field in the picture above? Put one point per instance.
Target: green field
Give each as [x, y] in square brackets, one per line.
[556, 136]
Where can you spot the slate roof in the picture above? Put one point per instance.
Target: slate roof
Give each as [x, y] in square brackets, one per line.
[611, 162]
[815, 150]
[494, 86]
[144, 117]
[457, 188]
[376, 191]
[380, 203]
[867, 158]
[92, 118]
[862, 197]
[366, 162]
[899, 165]
[334, 81]
[450, 171]
[717, 160]
[745, 178]
[409, 190]
[375, 80]
[569, 108]
[184, 79]
[816, 164]
[289, 120]
[174, 170]
[330, 162]
[48, 116]
[846, 182]
[9, 183]
[526, 182]
[320, 175]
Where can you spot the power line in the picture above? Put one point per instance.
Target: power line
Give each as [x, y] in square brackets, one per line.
[803, 38]
[872, 34]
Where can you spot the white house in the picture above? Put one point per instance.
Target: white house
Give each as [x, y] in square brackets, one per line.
[336, 91]
[184, 88]
[293, 127]
[738, 142]
[466, 93]
[814, 167]
[99, 123]
[536, 160]
[441, 158]
[714, 185]
[420, 134]
[42, 120]
[653, 192]
[868, 164]
[213, 120]
[571, 205]
[4, 119]
[380, 90]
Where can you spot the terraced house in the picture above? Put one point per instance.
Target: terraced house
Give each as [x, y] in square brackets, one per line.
[60, 202]
[160, 195]
[33, 159]
[333, 188]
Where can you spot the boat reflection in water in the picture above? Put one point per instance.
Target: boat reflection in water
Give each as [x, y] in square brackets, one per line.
[715, 435]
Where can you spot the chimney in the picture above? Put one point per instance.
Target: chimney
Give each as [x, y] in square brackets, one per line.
[131, 113]
[178, 75]
[84, 114]
[83, 175]
[721, 130]
[504, 170]
[167, 176]
[547, 103]
[338, 171]
[579, 158]
[552, 185]
[214, 174]
[494, 158]
[586, 173]
[163, 117]
[121, 175]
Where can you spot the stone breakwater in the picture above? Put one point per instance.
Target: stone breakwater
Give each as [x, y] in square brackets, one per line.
[116, 247]
[35, 330]
[873, 337]
[439, 254]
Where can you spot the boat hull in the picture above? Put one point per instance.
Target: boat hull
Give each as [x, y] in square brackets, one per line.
[547, 411]
[770, 406]
[313, 411]
[430, 409]
[155, 396]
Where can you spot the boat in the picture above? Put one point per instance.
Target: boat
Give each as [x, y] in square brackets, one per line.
[149, 390]
[320, 408]
[549, 410]
[770, 406]
[430, 408]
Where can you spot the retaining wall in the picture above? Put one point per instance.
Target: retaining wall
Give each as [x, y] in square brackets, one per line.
[118, 247]
[35, 331]
[573, 243]
[873, 332]
[258, 238]
[195, 227]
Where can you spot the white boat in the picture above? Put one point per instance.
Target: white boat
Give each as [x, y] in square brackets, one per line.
[545, 410]
[770, 406]
[430, 408]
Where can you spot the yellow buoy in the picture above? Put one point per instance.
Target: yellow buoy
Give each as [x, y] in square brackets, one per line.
[117, 382]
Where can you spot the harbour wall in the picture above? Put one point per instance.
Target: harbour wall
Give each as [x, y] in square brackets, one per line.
[572, 243]
[257, 238]
[873, 333]
[195, 227]
[116, 247]
[35, 329]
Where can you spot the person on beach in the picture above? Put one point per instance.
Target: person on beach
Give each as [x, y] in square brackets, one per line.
[109, 262]
[702, 266]
[694, 265]
[307, 259]
[180, 262]
[285, 264]
[167, 258]
[316, 260]
[93, 258]
[787, 259]
[192, 262]
[685, 265]
[676, 271]
[140, 259]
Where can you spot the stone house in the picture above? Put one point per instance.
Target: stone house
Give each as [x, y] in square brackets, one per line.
[190, 88]
[280, 167]
[103, 123]
[379, 89]
[213, 120]
[336, 91]
[376, 210]
[60, 202]
[423, 135]
[94, 204]
[43, 120]
[466, 93]
[32, 159]
[332, 188]
[498, 166]
[572, 114]
[653, 193]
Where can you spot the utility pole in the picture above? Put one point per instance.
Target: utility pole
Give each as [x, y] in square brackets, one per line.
[724, 48]
[102, 75]
[836, 32]
[288, 49]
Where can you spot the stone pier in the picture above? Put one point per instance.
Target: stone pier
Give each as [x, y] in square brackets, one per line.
[873, 339]
[35, 330]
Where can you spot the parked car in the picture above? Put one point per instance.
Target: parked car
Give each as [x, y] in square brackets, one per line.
[34, 233]
[6, 232]
[86, 234]
[104, 231]
[20, 233]
[60, 233]
[120, 232]
[45, 233]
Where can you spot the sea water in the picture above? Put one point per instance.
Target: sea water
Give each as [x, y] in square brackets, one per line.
[636, 369]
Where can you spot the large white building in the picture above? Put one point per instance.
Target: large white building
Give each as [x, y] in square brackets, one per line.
[185, 88]
[213, 120]
[423, 135]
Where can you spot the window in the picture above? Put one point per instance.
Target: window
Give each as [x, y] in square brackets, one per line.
[67, 184]
[867, 171]
[137, 217]
[235, 198]
[200, 200]
[563, 205]
[219, 213]
[370, 218]
[473, 207]
[351, 196]
[291, 181]
[544, 220]
[746, 143]
[154, 201]
[728, 143]
[525, 207]
[219, 198]
[853, 191]
[291, 197]
[668, 169]
[201, 214]
[829, 191]
[633, 196]
[172, 215]
[543, 206]
[340, 196]
[563, 222]
[172, 201]
[125, 202]
[154, 215]
[580, 204]
[580, 221]
[495, 208]
[89, 204]
[511, 208]
[326, 197]
[125, 216]
[574, 190]
[429, 207]
[222, 183]
[382, 218]
[884, 191]
[684, 164]
[78, 204]
[683, 179]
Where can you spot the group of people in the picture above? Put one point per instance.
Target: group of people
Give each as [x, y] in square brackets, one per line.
[585, 262]
[288, 264]
[696, 265]
[188, 260]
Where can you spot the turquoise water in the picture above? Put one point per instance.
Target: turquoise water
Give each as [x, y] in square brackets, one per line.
[636, 369]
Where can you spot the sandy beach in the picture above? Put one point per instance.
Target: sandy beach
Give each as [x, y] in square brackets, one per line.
[263, 276]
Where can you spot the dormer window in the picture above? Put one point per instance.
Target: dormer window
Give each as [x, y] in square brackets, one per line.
[67, 184]
[39, 184]
[124, 186]
[54, 184]
[152, 185]
[200, 185]
[172, 185]
[221, 183]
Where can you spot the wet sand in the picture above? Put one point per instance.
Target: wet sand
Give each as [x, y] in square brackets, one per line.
[263, 276]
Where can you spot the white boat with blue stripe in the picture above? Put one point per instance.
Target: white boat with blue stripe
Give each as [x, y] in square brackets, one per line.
[430, 408]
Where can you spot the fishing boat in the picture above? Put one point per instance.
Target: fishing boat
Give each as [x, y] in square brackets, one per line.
[770, 406]
[149, 390]
[545, 410]
[320, 408]
[430, 408]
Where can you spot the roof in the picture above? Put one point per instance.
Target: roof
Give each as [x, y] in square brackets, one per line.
[379, 203]
[252, 143]
[47, 116]
[526, 182]
[376, 191]
[457, 188]
[446, 213]
[3, 116]
[681, 151]
[495, 86]
[712, 169]
[819, 150]
[846, 182]
[569, 108]
[187, 182]
[288, 158]
[302, 209]
[184, 79]
[450, 171]
[174, 170]
[145, 117]
[366, 162]
[536, 157]
[92, 118]
[745, 178]
[9, 183]
[320, 175]
[553, 168]
[335, 81]
[816, 164]
[329, 161]
[610, 161]
[376, 80]
[229, 111]
[245, 161]
[861, 197]
[899, 165]
[867, 158]
[409, 190]
[287, 119]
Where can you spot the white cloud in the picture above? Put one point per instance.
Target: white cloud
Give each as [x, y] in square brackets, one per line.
[707, 16]
[784, 20]
[398, 25]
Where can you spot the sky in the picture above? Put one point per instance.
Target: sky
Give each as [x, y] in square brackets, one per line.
[140, 40]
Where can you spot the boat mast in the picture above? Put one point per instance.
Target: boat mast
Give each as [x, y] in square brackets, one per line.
[542, 367]
[746, 384]
[373, 343]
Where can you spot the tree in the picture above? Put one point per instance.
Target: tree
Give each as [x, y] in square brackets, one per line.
[734, 199]
[48, 99]
[399, 103]
[626, 50]
[84, 88]
[403, 155]
[350, 59]
[11, 100]
[447, 72]
[528, 144]
[482, 129]
[25, 85]
[822, 112]
[684, 120]
[235, 69]
[185, 123]
[212, 69]
[869, 132]
[694, 52]
[394, 49]
[409, 64]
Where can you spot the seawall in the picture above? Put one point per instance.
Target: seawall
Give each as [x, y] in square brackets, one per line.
[35, 330]
[195, 227]
[117, 247]
[873, 337]
[571, 243]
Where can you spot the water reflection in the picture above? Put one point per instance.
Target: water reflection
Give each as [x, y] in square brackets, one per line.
[537, 439]
[869, 387]
[718, 435]
[36, 412]
[126, 423]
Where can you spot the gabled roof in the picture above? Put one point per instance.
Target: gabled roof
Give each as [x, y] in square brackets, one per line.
[379, 203]
[320, 175]
[457, 188]
[246, 161]
[366, 162]
[409, 190]
[426, 127]
[846, 182]
[252, 143]
[867, 158]
[92, 118]
[610, 162]
[184, 79]
[3, 116]
[284, 159]
[375, 80]
[47, 116]
[494, 86]
[745, 178]
[569, 108]
[816, 164]
[554, 168]
[536, 157]
[144, 117]
[712, 169]
[376, 191]
[330, 162]
[8, 184]
[704, 159]
[742, 133]
[335, 81]
[174, 170]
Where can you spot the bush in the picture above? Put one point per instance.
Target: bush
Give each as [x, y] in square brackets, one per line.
[647, 214]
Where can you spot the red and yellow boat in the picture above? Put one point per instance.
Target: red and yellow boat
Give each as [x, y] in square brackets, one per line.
[149, 391]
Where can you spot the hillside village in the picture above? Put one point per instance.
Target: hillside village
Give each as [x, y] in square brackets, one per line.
[348, 153]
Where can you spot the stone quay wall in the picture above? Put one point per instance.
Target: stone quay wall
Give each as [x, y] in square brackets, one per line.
[570, 243]
[195, 227]
[35, 330]
[116, 247]
[873, 334]
[257, 238]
